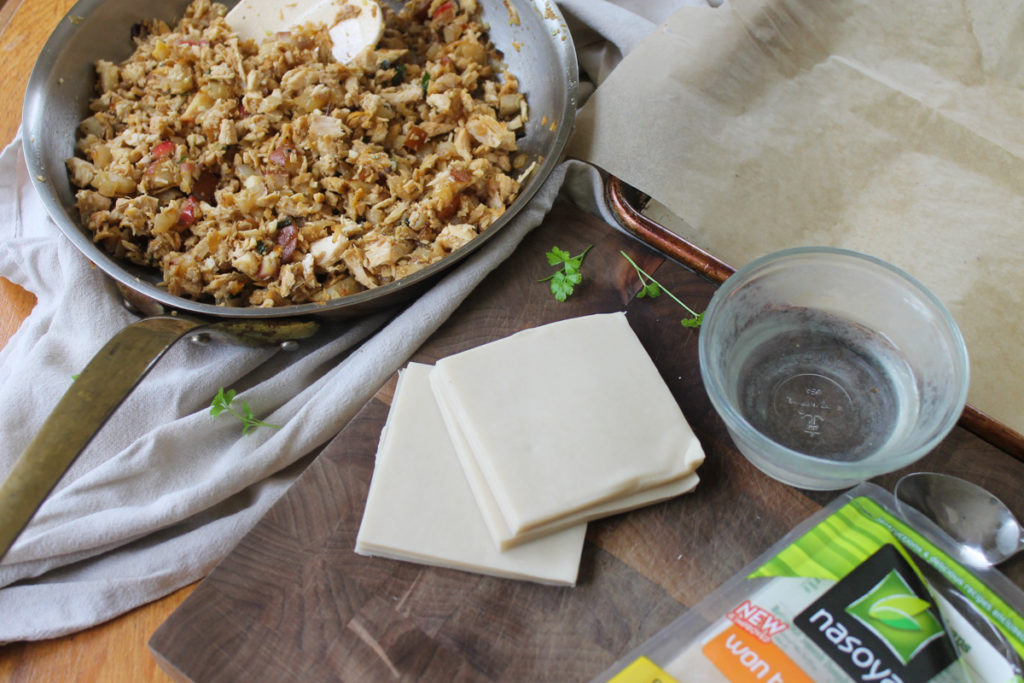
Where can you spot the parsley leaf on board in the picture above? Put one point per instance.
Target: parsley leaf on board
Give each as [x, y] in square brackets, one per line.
[564, 280]
[222, 402]
[653, 288]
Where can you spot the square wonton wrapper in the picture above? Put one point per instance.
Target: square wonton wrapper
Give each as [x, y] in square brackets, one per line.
[420, 508]
[560, 418]
[503, 535]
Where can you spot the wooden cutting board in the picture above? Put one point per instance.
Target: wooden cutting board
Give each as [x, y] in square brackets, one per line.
[293, 601]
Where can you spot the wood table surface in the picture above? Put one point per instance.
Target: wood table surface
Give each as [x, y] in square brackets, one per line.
[293, 601]
[118, 651]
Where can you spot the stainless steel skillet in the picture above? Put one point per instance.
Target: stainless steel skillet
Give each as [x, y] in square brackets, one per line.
[537, 47]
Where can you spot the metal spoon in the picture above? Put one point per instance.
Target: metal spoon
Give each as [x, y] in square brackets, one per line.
[985, 529]
[360, 26]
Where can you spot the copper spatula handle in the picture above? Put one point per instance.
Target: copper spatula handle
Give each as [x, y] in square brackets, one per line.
[108, 378]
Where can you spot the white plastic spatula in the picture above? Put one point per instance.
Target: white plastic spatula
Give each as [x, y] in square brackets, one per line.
[360, 28]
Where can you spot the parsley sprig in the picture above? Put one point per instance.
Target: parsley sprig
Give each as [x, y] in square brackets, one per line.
[652, 288]
[222, 402]
[564, 280]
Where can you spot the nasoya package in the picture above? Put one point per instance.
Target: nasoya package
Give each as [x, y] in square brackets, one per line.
[865, 590]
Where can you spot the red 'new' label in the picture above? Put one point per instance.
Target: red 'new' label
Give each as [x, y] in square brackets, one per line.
[758, 621]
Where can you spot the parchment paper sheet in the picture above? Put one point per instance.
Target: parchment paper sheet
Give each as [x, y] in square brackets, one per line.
[892, 128]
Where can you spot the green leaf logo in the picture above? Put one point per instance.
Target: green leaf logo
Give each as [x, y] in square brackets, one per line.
[898, 611]
[897, 616]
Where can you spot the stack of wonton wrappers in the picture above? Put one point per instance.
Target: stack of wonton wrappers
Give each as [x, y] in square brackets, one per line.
[494, 459]
[888, 127]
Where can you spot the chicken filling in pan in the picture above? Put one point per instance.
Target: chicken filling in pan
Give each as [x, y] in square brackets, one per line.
[269, 174]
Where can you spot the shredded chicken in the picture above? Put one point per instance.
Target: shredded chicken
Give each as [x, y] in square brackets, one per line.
[265, 175]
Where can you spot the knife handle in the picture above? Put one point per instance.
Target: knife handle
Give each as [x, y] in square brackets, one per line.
[101, 387]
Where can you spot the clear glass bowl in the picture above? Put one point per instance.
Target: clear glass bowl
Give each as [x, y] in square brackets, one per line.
[830, 367]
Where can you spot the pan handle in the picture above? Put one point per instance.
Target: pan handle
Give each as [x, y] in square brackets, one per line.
[104, 383]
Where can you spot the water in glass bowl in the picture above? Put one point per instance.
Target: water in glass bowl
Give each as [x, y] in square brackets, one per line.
[821, 385]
